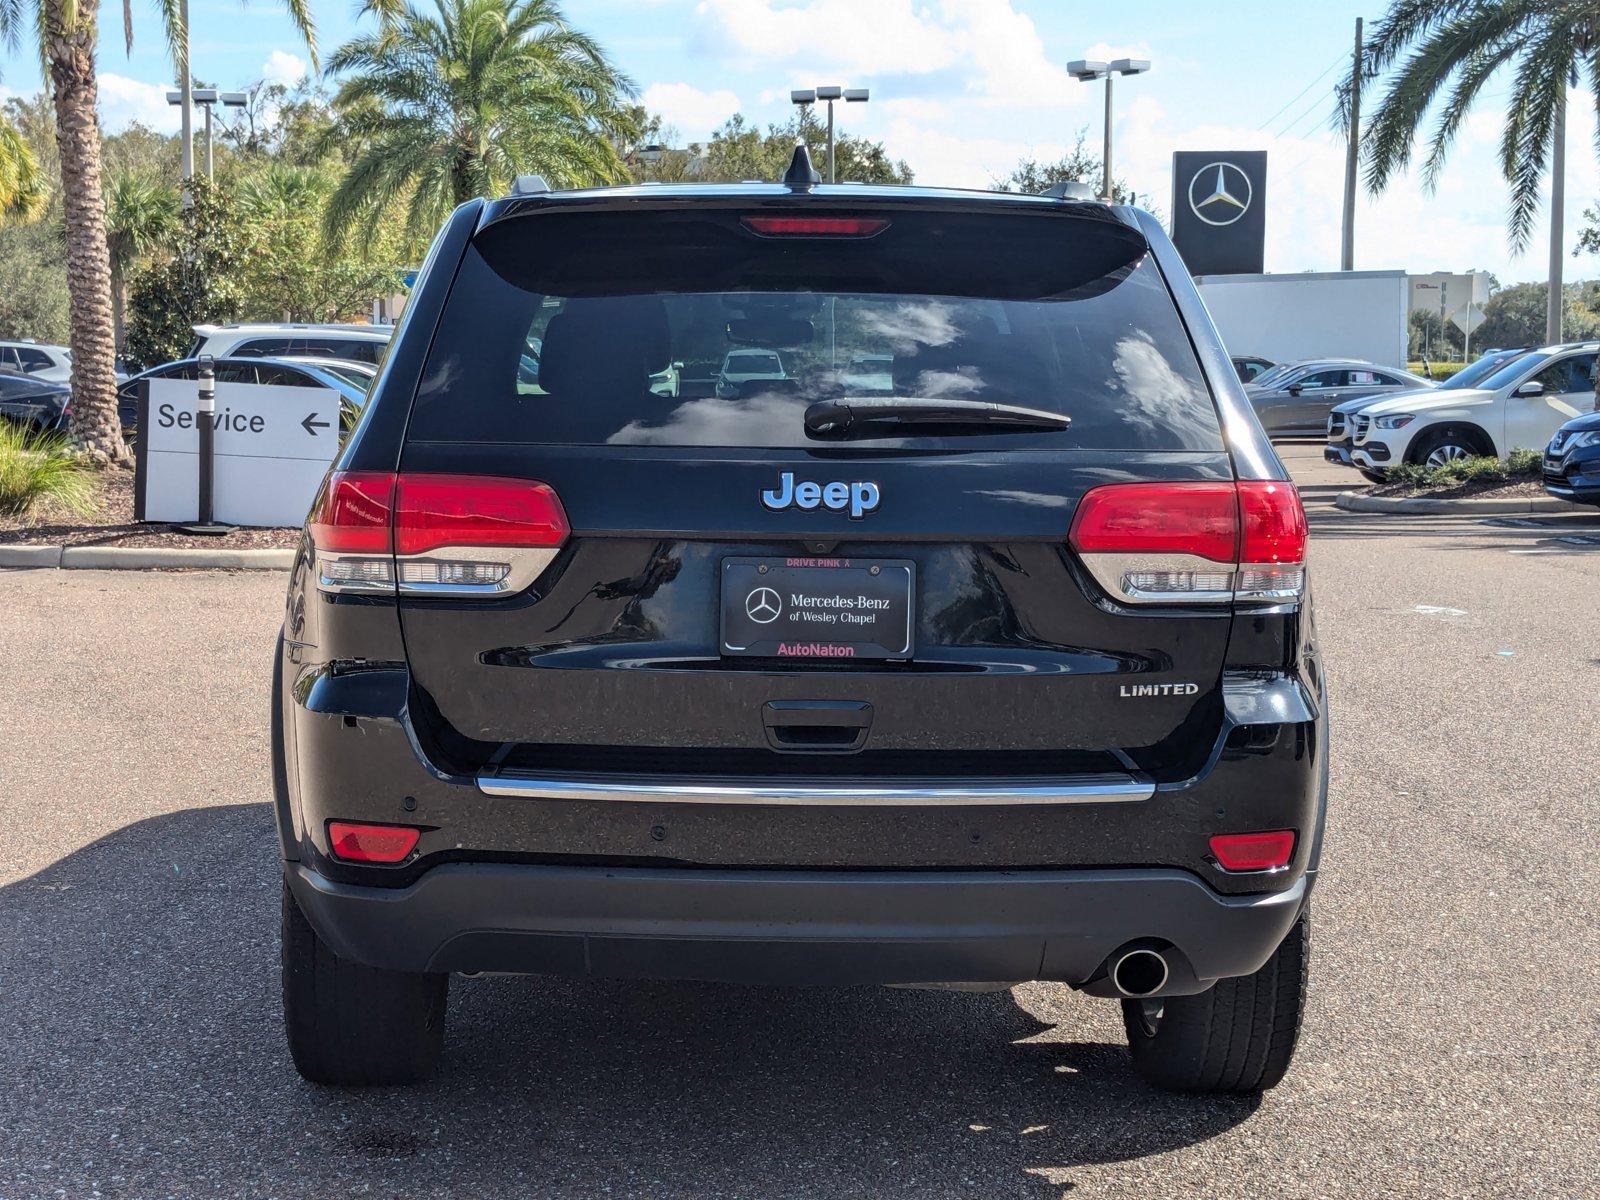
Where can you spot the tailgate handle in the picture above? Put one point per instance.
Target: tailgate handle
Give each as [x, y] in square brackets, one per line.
[816, 726]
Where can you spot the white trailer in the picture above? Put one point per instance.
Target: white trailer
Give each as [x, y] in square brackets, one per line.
[1318, 314]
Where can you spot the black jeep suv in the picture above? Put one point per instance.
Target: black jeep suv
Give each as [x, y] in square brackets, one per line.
[993, 663]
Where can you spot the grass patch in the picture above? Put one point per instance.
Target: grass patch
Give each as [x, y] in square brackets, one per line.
[1520, 465]
[38, 470]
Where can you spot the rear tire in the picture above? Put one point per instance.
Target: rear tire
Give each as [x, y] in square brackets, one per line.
[1237, 1037]
[351, 1025]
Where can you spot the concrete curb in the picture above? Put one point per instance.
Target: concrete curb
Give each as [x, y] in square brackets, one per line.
[1358, 502]
[143, 558]
[30, 556]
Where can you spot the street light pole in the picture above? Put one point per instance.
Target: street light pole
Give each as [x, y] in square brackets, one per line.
[1105, 151]
[1086, 71]
[206, 98]
[802, 97]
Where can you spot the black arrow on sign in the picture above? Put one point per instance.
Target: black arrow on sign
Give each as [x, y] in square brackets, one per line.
[311, 425]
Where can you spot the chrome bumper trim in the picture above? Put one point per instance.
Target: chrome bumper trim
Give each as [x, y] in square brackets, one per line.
[865, 793]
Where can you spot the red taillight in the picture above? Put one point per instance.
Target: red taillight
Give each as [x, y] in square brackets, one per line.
[1253, 851]
[814, 226]
[354, 514]
[1272, 523]
[1159, 518]
[1193, 542]
[475, 510]
[461, 535]
[371, 843]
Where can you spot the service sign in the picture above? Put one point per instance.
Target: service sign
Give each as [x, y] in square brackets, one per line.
[273, 446]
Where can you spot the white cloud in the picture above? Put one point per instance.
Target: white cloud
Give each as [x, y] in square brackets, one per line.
[283, 67]
[694, 113]
[124, 101]
[993, 52]
[829, 35]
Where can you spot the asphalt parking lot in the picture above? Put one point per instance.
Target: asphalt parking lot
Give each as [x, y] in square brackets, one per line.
[1452, 1046]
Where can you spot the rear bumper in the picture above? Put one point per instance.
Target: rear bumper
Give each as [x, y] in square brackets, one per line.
[797, 927]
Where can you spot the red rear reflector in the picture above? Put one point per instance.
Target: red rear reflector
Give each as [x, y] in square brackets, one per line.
[815, 226]
[372, 843]
[475, 510]
[1253, 851]
[353, 515]
[1273, 523]
[1201, 519]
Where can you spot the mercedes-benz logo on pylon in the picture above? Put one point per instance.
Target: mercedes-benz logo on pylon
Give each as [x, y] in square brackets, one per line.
[1220, 193]
[763, 606]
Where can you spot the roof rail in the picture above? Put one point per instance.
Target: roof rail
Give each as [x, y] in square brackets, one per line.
[529, 185]
[1070, 189]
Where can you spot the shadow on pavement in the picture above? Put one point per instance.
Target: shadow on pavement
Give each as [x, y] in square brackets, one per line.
[144, 1057]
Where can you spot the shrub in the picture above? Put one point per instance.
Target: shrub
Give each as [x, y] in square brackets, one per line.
[1524, 463]
[1436, 370]
[1521, 464]
[39, 468]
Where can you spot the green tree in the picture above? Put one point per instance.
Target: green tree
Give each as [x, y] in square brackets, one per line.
[199, 280]
[22, 190]
[454, 100]
[290, 271]
[141, 216]
[1438, 56]
[741, 150]
[68, 34]
[33, 282]
[1515, 315]
[1077, 165]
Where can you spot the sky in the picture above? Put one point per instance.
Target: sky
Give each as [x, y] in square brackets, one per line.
[963, 89]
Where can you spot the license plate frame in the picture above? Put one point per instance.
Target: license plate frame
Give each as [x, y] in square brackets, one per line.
[861, 609]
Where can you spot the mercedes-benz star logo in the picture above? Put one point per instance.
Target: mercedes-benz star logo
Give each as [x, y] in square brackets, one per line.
[763, 606]
[1220, 193]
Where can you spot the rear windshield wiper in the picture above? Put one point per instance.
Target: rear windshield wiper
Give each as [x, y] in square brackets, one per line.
[867, 416]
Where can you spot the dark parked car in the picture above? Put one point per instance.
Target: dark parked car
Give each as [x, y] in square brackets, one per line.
[34, 403]
[1004, 672]
[1340, 416]
[1572, 460]
[1249, 366]
[352, 397]
[1295, 401]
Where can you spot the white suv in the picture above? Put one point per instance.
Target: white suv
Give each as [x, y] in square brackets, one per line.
[38, 361]
[362, 343]
[1518, 407]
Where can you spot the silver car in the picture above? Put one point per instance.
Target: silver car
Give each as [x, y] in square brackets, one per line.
[1293, 399]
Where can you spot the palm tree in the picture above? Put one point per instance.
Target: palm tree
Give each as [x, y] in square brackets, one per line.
[68, 33]
[22, 191]
[454, 100]
[1452, 49]
[141, 215]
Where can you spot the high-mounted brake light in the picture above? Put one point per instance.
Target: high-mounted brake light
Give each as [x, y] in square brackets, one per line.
[815, 226]
[1270, 850]
[1193, 542]
[455, 535]
[371, 843]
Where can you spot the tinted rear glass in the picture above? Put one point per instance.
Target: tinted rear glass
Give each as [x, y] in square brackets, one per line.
[642, 329]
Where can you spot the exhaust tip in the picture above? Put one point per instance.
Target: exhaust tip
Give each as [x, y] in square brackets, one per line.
[1139, 973]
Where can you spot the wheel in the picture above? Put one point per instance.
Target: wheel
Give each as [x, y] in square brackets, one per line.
[1446, 445]
[1237, 1037]
[1373, 476]
[355, 1026]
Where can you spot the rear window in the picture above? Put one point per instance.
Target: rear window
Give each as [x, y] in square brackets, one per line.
[684, 328]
